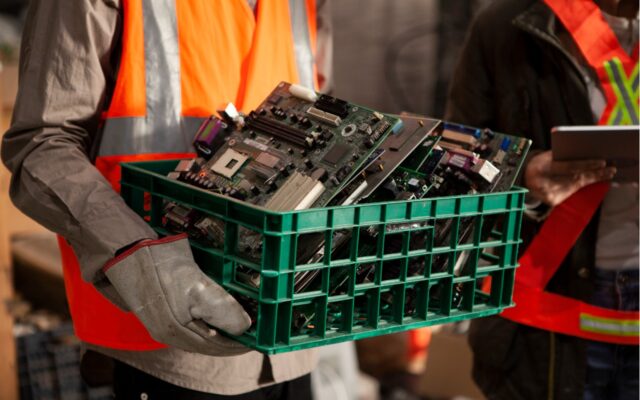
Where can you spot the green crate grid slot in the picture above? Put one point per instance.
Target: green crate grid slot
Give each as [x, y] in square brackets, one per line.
[358, 311]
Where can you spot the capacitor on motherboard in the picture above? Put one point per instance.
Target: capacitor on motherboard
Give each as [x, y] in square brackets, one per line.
[319, 174]
[489, 133]
[308, 163]
[413, 184]
[343, 172]
[389, 190]
[483, 150]
[306, 123]
[310, 141]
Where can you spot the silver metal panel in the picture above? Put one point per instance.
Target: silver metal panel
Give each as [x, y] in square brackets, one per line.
[302, 42]
[162, 130]
[121, 136]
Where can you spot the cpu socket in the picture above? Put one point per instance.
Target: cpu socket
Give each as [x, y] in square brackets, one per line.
[229, 163]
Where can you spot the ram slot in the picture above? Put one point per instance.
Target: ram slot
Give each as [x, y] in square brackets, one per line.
[299, 133]
[276, 129]
[277, 133]
[258, 119]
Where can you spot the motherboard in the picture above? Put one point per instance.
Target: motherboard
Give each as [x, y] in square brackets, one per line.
[462, 161]
[295, 151]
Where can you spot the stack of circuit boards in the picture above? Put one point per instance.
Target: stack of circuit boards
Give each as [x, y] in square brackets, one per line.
[300, 149]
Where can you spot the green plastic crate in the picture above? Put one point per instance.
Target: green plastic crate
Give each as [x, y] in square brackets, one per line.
[362, 310]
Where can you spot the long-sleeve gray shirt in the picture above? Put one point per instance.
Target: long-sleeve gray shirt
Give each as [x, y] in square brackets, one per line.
[68, 65]
[66, 70]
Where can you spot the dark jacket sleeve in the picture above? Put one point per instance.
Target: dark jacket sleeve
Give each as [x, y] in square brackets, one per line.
[65, 72]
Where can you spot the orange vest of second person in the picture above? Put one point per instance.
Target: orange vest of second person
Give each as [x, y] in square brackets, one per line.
[181, 61]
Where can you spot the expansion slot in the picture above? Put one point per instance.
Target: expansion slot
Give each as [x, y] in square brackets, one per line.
[323, 116]
[297, 193]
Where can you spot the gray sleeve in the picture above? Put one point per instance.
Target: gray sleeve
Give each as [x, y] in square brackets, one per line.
[66, 70]
[324, 45]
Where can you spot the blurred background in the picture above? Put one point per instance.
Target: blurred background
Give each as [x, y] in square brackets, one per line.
[388, 55]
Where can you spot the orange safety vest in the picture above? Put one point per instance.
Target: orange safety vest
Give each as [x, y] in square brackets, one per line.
[181, 61]
[618, 75]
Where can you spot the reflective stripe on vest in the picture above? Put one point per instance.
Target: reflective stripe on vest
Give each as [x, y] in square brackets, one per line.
[181, 61]
[609, 326]
[618, 75]
[624, 111]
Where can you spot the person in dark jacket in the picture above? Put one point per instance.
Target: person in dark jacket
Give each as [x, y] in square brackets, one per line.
[521, 73]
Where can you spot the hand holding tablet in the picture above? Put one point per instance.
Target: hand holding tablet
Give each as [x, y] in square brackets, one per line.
[618, 145]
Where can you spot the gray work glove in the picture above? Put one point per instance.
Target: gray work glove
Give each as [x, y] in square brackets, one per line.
[161, 284]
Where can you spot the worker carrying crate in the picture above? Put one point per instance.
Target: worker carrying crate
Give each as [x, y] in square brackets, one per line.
[106, 82]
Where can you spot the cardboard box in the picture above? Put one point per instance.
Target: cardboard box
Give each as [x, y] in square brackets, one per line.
[448, 373]
[11, 222]
[8, 85]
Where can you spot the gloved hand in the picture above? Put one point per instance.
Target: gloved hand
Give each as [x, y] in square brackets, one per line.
[161, 284]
